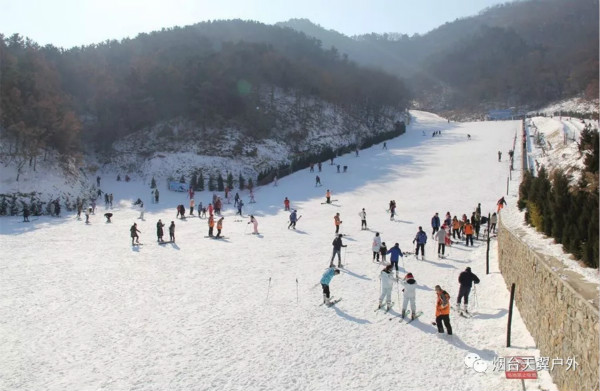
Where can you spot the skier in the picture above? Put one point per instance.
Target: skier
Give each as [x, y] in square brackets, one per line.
[252, 201]
[455, 228]
[363, 219]
[172, 232]
[448, 219]
[420, 239]
[466, 280]
[501, 202]
[469, 233]
[317, 181]
[435, 224]
[376, 246]
[87, 215]
[108, 216]
[98, 180]
[25, 214]
[410, 295]
[211, 209]
[192, 204]
[442, 310]
[392, 209]
[240, 205]
[384, 145]
[387, 283]
[275, 181]
[328, 197]
[338, 168]
[141, 211]
[383, 251]
[499, 156]
[254, 223]
[211, 225]
[337, 249]
[356, 152]
[325, 281]
[79, 209]
[441, 239]
[236, 199]
[320, 165]
[286, 204]
[219, 227]
[396, 254]
[134, 233]
[312, 167]
[159, 230]
[475, 220]
[337, 222]
[93, 205]
[156, 196]
[493, 222]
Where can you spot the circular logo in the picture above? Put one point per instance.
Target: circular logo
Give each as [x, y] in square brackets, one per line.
[480, 366]
[471, 358]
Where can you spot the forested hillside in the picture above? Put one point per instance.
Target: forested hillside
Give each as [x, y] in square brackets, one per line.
[522, 54]
[216, 75]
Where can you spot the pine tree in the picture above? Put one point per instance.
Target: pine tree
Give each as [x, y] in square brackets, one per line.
[220, 185]
[211, 183]
[194, 182]
[250, 184]
[559, 204]
[241, 182]
[153, 183]
[3, 206]
[13, 207]
[230, 180]
[201, 182]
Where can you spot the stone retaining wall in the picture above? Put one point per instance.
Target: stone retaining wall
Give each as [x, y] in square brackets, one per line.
[559, 308]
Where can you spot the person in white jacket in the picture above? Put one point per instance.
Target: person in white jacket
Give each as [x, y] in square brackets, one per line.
[410, 286]
[376, 246]
[387, 283]
[440, 236]
[363, 219]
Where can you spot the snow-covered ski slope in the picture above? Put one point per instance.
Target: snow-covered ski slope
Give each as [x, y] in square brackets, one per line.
[81, 309]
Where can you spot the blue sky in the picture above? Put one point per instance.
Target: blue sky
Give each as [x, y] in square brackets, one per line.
[68, 23]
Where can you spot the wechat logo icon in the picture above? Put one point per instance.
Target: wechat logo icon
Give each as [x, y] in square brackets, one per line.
[472, 360]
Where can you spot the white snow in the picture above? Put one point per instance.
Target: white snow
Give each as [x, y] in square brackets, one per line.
[81, 309]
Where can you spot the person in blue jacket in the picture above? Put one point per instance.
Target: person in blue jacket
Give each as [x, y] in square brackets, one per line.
[420, 239]
[325, 280]
[435, 224]
[293, 219]
[396, 254]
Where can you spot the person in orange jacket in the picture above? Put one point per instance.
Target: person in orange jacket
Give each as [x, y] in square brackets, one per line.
[219, 227]
[469, 232]
[442, 310]
[211, 225]
[455, 228]
[286, 204]
[501, 202]
[337, 222]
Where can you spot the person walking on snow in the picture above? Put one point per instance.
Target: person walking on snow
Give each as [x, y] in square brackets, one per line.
[363, 219]
[499, 156]
[293, 219]
[240, 205]
[440, 236]
[387, 283]
[142, 210]
[501, 202]
[236, 199]
[468, 233]
[493, 222]
[211, 225]
[172, 232]
[337, 222]
[219, 227]
[383, 251]
[317, 181]
[254, 224]
[442, 310]
[392, 209]
[410, 295]
[159, 230]
[325, 281]
[337, 249]
[466, 280]
[396, 254]
[455, 228]
[435, 224]
[420, 239]
[192, 204]
[376, 246]
[134, 233]
[328, 197]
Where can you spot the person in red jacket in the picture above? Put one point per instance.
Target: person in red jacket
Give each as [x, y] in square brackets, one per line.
[286, 204]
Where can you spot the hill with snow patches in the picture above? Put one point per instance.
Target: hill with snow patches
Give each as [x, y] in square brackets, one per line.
[83, 309]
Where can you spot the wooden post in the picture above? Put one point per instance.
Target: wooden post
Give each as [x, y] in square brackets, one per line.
[510, 311]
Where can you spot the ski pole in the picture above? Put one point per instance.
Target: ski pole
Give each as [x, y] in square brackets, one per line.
[268, 289]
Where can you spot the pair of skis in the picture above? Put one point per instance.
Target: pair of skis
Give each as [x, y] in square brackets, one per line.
[331, 302]
[417, 315]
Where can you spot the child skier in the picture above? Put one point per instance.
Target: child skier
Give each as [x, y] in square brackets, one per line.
[410, 295]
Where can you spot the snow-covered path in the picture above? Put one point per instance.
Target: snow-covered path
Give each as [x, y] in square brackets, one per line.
[80, 309]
